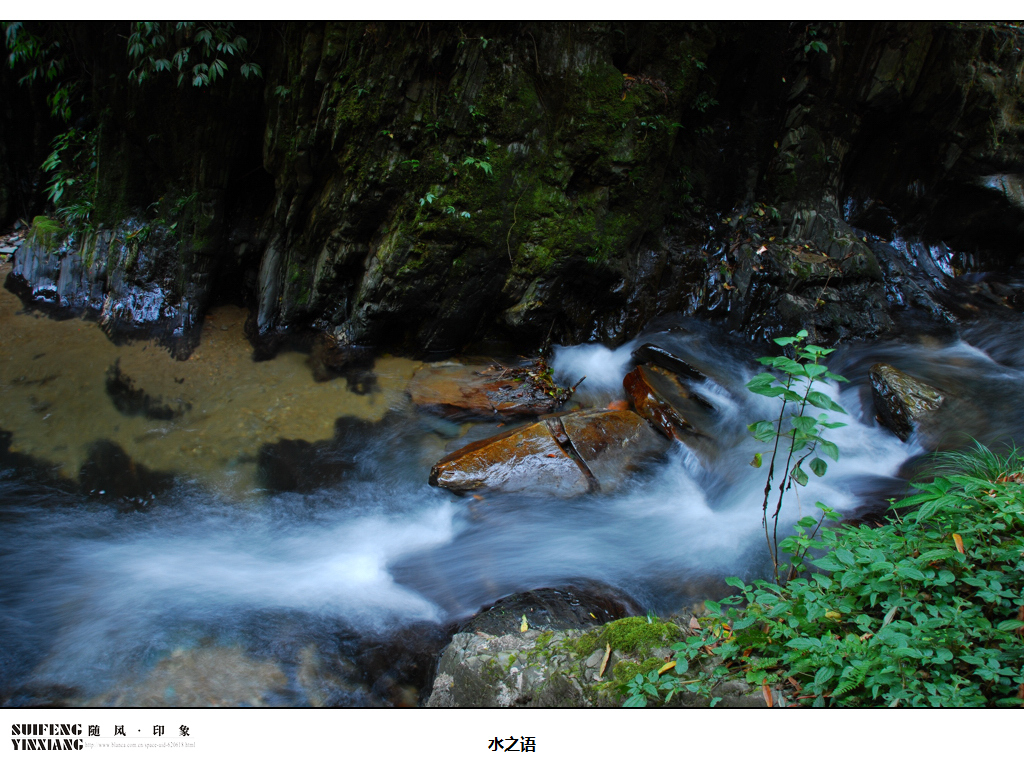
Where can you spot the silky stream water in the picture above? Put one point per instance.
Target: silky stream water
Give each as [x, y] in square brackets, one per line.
[219, 591]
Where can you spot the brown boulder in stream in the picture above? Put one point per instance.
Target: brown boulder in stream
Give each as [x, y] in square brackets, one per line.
[610, 443]
[668, 402]
[452, 388]
[563, 455]
[902, 401]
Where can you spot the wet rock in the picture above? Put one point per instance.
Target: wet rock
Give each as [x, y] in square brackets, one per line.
[213, 676]
[109, 471]
[564, 455]
[332, 356]
[294, 465]
[668, 403]
[487, 390]
[330, 684]
[398, 667]
[654, 354]
[611, 443]
[131, 276]
[130, 400]
[518, 460]
[902, 401]
[580, 606]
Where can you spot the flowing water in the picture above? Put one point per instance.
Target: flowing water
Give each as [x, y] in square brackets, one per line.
[218, 590]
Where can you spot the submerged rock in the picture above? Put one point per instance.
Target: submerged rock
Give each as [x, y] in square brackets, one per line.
[452, 388]
[111, 472]
[209, 676]
[902, 401]
[565, 455]
[129, 400]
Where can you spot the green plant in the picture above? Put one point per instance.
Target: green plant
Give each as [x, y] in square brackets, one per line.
[924, 610]
[199, 53]
[73, 168]
[483, 165]
[815, 45]
[793, 383]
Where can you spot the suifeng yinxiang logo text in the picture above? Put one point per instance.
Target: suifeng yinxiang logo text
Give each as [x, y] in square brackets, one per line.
[47, 737]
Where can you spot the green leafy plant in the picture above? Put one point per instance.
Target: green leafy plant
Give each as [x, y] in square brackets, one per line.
[801, 441]
[924, 610]
[483, 165]
[198, 53]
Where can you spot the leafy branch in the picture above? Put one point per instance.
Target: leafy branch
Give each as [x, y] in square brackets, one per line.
[793, 383]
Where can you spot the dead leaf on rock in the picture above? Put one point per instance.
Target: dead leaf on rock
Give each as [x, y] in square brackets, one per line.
[604, 660]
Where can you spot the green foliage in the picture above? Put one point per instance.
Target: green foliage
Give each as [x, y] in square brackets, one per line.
[925, 610]
[483, 165]
[44, 58]
[198, 53]
[73, 168]
[793, 384]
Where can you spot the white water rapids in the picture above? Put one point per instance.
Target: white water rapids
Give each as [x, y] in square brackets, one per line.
[92, 597]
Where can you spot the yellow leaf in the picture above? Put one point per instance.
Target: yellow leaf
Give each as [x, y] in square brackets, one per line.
[959, 541]
[833, 615]
[592, 615]
[666, 667]
[604, 660]
[524, 626]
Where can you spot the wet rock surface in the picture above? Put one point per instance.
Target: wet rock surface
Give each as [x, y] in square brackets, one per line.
[611, 444]
[526, 459]
[485, 389]
[131, 277]
[331, 357]
[545, 609]
[110, 471]
[565, 455]
[903, 402]
[202, 677]
[669, 403]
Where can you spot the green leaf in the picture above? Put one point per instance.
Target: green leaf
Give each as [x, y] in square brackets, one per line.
[800, 476]
[822, 401]
[814, 370]
[756, 462]
[1010, 625]
[819, 466]
[829, 448]
[807, 424]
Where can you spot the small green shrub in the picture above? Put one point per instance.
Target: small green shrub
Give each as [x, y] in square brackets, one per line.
[926, 610]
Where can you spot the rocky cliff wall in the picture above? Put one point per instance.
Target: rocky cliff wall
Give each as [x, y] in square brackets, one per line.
[424, 186]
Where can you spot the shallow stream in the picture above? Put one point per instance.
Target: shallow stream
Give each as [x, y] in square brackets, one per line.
[221, 591]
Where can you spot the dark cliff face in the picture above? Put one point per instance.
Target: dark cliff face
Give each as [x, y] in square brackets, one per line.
[423, 186]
